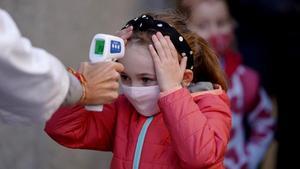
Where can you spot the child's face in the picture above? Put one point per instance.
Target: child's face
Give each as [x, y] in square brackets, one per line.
[210, 18]
[139, 67]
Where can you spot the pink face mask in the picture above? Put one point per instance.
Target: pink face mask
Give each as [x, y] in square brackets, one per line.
[221, 43]
[144, 99]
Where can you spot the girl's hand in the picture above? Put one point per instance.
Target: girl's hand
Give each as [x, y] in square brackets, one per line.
[169, 72]
[125, 33]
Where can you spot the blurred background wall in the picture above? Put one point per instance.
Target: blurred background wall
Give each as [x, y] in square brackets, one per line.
[64, 28]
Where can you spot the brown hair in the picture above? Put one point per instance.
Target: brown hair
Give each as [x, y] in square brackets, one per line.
[206, 63]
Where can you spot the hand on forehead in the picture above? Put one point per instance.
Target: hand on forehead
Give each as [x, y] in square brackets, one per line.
[146, 23]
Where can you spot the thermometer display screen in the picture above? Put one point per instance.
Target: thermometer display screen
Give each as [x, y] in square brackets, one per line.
[99, 46]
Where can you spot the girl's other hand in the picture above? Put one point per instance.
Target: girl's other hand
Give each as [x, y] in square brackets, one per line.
[169, 72]
[125, 34]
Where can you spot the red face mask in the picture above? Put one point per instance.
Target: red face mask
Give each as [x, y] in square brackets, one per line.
[221, 43]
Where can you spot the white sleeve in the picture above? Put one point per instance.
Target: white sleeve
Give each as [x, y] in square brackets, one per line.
[33, 83]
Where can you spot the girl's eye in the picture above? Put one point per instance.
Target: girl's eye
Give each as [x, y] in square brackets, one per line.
[145, 79]
[203, 25]
[148, 81]
[223, 23]
[124, 78]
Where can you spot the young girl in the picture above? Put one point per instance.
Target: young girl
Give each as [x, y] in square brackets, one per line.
[157, 123]
[253, 123]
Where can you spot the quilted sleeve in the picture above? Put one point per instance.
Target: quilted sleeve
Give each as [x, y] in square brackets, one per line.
[75, 127]
[199, 130]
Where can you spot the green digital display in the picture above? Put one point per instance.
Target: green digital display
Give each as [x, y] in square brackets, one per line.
[99, 46]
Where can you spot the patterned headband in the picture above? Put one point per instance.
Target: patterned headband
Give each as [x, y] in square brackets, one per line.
[147, 23]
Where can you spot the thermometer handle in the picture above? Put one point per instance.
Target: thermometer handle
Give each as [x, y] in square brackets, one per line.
[104, 48]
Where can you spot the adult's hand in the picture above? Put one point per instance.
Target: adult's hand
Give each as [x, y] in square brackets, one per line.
[102, 82]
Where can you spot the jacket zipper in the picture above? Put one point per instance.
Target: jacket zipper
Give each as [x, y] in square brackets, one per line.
[140, 143]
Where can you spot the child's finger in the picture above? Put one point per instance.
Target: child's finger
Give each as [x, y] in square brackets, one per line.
[164, 45]
[172, 48]
[154, 55]
[125, 33]
[183, 64]
[159, 48]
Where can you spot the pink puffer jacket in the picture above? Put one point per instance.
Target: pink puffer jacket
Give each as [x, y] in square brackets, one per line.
[190, 132]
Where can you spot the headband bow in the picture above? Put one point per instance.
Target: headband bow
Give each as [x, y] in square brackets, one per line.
[147, 23]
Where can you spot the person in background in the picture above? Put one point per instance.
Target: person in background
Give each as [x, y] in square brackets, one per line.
[253, 123]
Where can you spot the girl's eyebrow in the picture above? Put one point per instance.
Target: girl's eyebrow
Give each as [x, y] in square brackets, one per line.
[145, 74]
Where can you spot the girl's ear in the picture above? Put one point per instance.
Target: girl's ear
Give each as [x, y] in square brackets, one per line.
[188, 76]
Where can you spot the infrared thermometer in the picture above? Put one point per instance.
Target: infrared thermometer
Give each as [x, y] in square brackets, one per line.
[103, 48]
